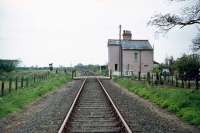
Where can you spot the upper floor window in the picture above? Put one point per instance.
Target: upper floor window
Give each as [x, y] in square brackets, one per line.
[136, 56]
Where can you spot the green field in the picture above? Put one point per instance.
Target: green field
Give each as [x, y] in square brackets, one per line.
[19, 73]
[16, 100]
[21, 79]
[185, 103]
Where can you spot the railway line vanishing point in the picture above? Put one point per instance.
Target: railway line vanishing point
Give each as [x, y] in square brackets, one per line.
[93, 111]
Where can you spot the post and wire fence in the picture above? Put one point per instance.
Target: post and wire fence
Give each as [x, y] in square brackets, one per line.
[9, 85]
[176, 80]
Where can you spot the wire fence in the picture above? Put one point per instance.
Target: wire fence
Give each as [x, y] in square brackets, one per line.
[172, 80]
[13, 84]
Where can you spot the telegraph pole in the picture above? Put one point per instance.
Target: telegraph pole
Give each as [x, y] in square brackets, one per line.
[120, 51]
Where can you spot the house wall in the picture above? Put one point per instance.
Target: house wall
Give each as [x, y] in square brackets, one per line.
[113, 58]
[147, 61]
[132, 64]
[129, 61]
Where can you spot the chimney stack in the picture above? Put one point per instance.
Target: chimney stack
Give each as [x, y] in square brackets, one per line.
[127, 35]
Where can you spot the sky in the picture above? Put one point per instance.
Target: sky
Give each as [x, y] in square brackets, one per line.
[67, 32]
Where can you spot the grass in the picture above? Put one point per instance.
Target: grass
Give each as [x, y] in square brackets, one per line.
[17, 100]
[184, 103]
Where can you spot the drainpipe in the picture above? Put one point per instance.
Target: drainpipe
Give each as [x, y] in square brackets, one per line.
[121, 53]
[140, 67]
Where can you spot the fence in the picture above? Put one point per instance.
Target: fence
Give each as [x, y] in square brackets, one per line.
[172, 80]
[13, 84]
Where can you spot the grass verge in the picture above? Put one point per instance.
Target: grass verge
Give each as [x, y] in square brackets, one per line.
[16, 100]
[184, 103]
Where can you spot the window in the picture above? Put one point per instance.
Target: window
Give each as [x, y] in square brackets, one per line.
[116, 66]
[128, 67]
[136, 56]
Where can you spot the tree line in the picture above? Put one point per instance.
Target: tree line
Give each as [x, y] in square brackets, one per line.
[8, 65]
[187, 67]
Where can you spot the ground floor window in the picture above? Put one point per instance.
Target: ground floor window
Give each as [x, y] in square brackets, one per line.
[116, 66]
[128, 67]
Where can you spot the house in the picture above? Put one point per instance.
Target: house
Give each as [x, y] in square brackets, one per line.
[155, 64]
[129, 56]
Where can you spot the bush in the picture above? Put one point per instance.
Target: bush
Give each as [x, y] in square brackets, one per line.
[8, 65]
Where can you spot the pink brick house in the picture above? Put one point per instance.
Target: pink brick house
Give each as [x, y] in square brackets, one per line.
[130, 56]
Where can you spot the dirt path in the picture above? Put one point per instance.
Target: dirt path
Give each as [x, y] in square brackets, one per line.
[43, 116]
[143, 116]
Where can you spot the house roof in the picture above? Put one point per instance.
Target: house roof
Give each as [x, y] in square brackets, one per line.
[155, 62]
[132, 44]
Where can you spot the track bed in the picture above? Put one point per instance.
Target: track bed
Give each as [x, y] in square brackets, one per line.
[93, 112]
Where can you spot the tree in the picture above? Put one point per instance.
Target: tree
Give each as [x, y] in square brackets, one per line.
[190, 16]
[8, 65]
[169, 65]
[188, 66]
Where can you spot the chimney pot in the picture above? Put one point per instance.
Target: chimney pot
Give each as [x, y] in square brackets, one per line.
[127, 35]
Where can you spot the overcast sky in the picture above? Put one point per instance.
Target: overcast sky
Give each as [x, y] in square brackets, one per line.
[67, 32]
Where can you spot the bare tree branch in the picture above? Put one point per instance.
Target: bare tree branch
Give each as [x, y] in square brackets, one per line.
[168, 21]
[190, 16]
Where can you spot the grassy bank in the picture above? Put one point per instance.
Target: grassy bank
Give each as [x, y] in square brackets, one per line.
[184, 103]
[16, 100]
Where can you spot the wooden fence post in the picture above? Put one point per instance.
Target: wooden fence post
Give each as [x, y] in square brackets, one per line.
[27, 82]
[176, 80]
[48, 74]
[168, 78]
[10, 85]
[65, 70]
[139, 75]
[34, 78]
[22, 82]
[2, 88]
[182, 83]
[148, 78]
[16, 83]
[75, 73]
[172, 79]
[165, 76]
[189, 83]
[157, 78]
[72, 74]
[160, 78]
[197, 83]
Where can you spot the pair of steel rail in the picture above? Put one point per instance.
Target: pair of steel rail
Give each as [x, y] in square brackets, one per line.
[66, 120]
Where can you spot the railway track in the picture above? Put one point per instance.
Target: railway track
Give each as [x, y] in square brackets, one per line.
[93, 111]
